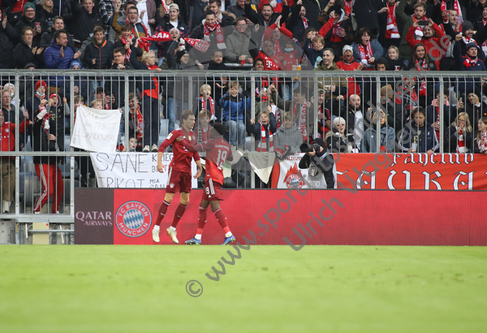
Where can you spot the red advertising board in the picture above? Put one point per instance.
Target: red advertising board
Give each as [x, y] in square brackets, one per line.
[291, 217]
[400, 171]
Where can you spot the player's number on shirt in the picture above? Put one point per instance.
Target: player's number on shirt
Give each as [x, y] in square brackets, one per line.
[222, 157]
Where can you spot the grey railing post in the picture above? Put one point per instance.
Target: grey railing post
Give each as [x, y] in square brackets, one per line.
[17, 139]
[252, 115]
[378, 115]
[442, 117]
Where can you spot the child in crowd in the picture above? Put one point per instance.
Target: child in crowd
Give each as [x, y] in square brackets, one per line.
[481, 140]
[97, 104]
[234, 107]
[136, 121]
[206, 102]
[203, 129]
[132, 145]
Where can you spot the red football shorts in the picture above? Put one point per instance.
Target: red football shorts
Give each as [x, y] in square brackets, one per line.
[213, 191]
[178, 181]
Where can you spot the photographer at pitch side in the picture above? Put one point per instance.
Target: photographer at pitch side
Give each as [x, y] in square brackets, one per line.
[319, 161]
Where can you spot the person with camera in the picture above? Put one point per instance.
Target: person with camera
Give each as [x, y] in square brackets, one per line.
[316, 156]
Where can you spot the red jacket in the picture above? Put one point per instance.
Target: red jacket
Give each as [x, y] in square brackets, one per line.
[433, 45]
[353, 87]
[7, 136]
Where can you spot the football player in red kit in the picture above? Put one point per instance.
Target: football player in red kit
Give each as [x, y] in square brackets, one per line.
[217, 152]
[179, 177]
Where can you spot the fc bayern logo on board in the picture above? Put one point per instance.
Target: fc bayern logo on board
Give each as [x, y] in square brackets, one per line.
[133, 219]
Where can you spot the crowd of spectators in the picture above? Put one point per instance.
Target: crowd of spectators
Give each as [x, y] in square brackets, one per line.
[262, 36]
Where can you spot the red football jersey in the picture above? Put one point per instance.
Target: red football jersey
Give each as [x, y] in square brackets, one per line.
[217, 152]
[181, 160]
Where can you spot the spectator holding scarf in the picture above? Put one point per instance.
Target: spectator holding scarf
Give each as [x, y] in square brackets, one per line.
[366, 50]
[149, 87]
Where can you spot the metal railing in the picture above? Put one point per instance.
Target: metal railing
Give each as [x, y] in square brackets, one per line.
[326, 95]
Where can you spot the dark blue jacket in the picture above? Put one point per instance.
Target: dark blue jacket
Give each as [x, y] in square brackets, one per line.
[53, 59]
[234, 108]
[425, 138]
[468, 85]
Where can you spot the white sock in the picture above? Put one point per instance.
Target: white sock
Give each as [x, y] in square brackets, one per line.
[156, 228]
[198, 236]
[228, 234]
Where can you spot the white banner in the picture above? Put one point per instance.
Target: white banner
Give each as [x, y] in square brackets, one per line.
[96, 130]
[132, 170]
[262, 163]
[291, 176]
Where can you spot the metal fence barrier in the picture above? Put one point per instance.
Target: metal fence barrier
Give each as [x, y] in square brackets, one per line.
[345, 109]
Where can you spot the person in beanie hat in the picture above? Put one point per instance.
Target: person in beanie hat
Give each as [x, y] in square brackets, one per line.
[469, 62]
[349, 63]
[468, 35]
[30, 65]
[32, 104]
[29, 5]
[31, 19]
[75, 64]
[39, 84]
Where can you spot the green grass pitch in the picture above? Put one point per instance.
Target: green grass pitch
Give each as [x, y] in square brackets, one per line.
[270, 289]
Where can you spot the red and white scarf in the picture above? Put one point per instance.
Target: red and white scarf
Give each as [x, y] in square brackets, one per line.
[262, 145]
[418, 33]
[457, 7]
[467, 63]
[348, 7]
[220, 39]
[166, 8]
[469, 40]
[402, 93]
[154, 93]
[335, 38]
[139, 124]
[421, 65]
[45, 119]
[277, 47]
[305, 23]
[392, 32]
[482, 142]
[302, 119]
[199, 44]
[211, 102]
[162, 36]
[365, 52]
[129, 50]
[461, 143]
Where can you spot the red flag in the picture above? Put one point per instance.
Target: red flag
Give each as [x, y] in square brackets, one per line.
[159, 37]
[199, 44]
